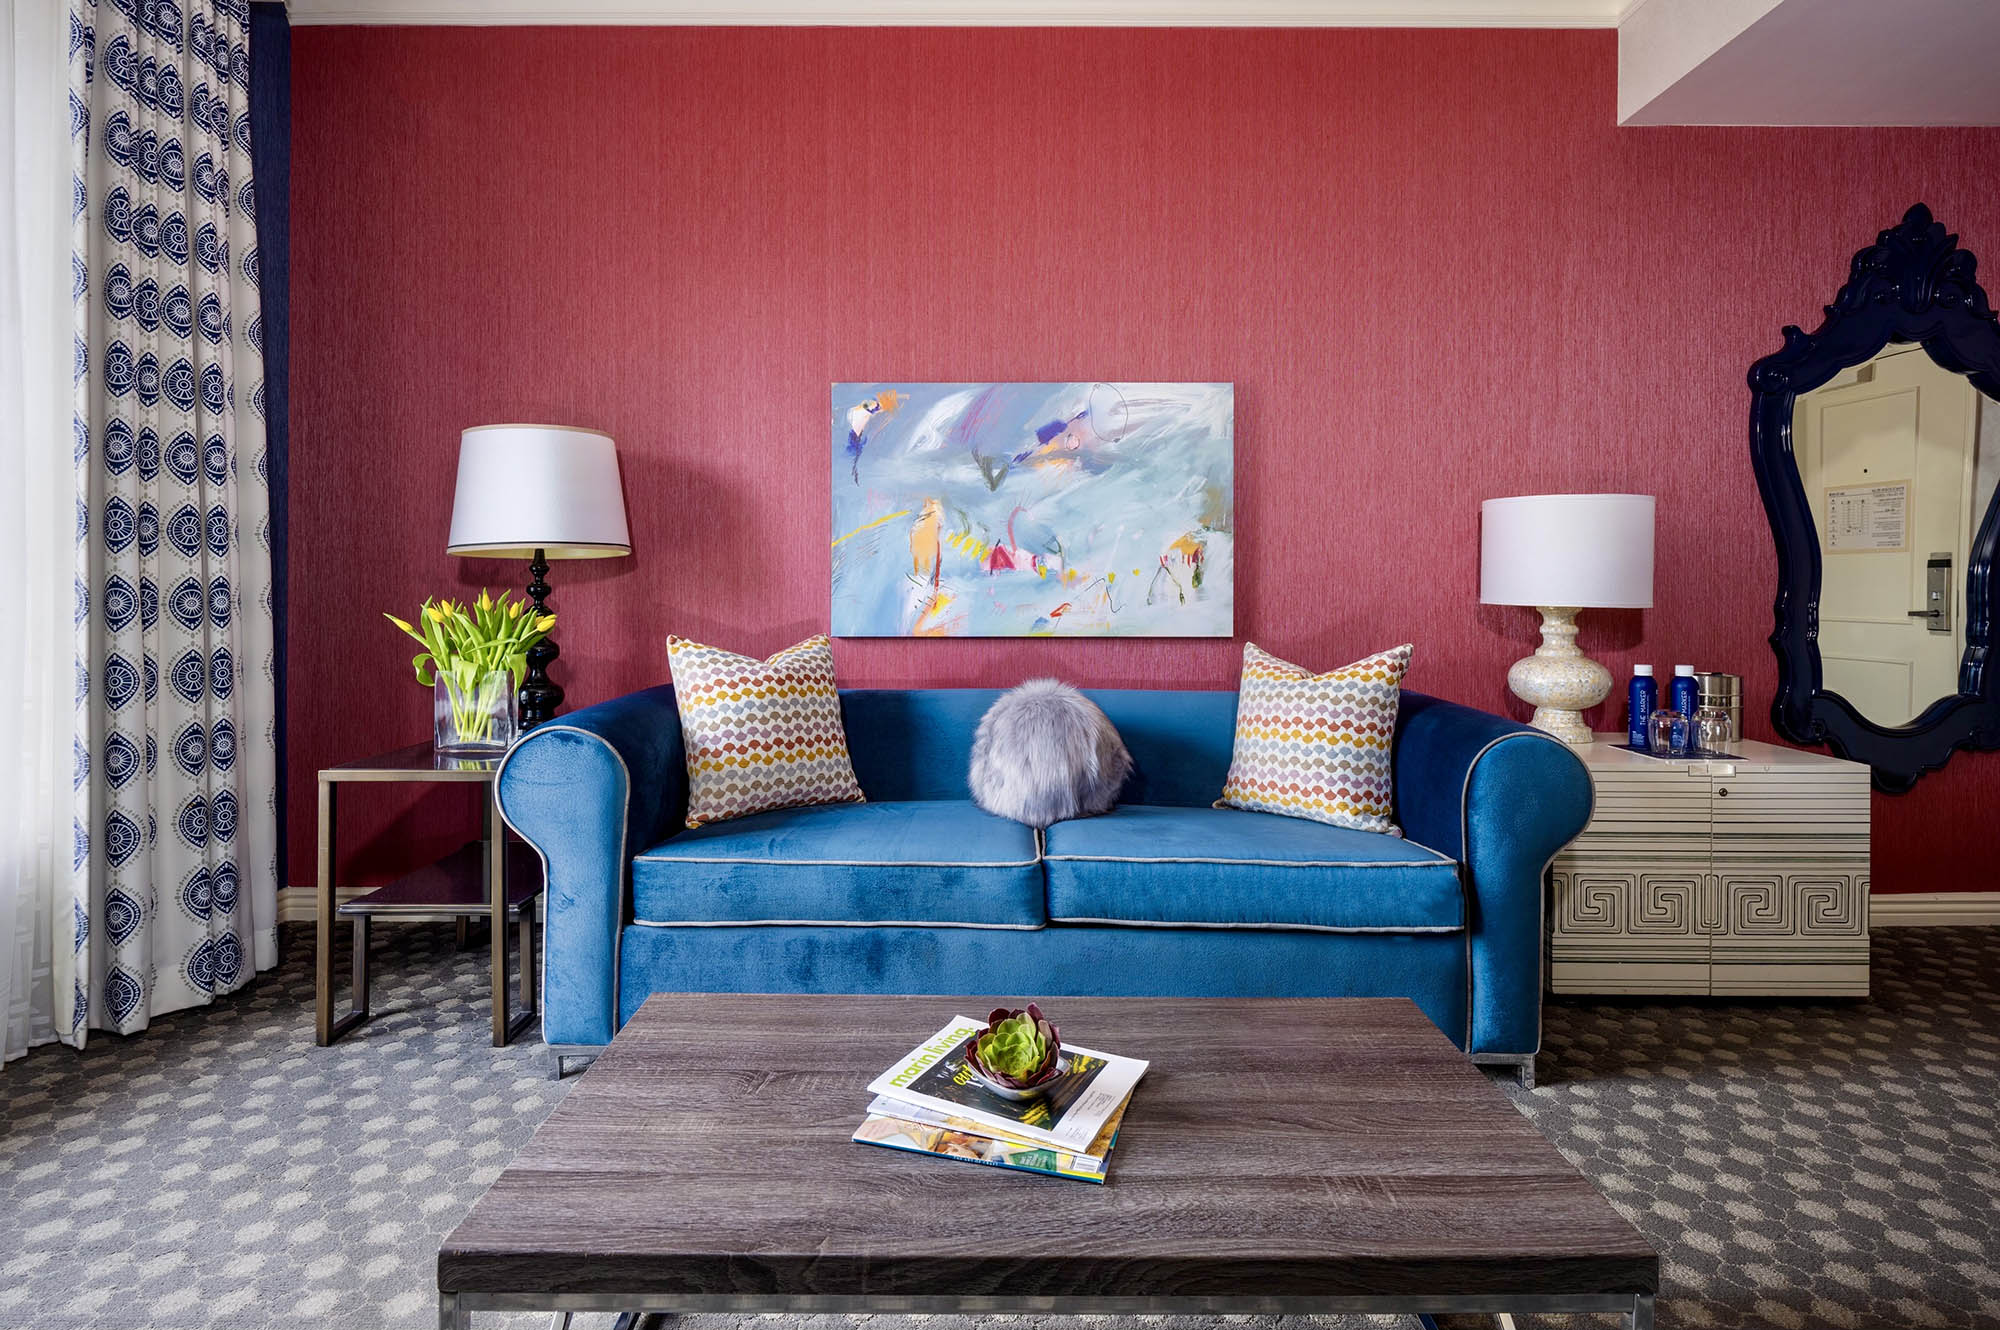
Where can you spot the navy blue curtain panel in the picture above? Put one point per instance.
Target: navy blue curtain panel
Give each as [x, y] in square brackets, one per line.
[271, 159]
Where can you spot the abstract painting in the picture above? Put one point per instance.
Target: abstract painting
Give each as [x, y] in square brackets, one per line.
[1033, 509]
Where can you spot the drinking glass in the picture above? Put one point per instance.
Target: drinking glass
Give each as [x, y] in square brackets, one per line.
[1711, 729]
[1667, 731]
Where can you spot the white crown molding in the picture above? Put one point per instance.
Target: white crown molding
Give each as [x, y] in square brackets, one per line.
[1934, 909]
[981, 13]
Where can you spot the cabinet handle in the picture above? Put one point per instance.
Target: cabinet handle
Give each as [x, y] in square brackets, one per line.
[1722, 793]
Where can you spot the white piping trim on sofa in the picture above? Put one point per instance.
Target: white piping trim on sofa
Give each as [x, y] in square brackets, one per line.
[831, 923]
[1263, 928]
[1035, 928]
[1439, 862]
[832, 863]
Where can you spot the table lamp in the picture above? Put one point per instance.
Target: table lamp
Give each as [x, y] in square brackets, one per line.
[538, 492]
[1562, 553]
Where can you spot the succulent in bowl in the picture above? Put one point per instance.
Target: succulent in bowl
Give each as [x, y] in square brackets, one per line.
[1019, 1051]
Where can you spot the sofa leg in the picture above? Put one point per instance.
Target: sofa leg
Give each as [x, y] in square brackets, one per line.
[561, 1054]
[1522, 1064]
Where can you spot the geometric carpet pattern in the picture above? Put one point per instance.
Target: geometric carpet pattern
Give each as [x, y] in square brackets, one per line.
[1797, 1163]
[220, 1169]
[1827, 1163]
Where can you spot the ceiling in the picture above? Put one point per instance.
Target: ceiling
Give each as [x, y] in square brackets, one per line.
[1810, 62]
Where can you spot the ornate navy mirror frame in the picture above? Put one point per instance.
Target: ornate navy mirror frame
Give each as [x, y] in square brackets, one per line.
[1912, 285]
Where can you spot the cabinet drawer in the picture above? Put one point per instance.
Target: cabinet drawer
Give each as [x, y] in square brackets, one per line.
[1664, 806]
[1780, 807]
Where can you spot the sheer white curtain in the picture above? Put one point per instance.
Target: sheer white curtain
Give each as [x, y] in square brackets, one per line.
[40, 763]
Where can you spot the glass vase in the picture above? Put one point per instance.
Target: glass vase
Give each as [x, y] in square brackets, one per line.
[474, 713]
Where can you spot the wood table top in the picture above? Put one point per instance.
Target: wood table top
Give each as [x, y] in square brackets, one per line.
[1282, 1148]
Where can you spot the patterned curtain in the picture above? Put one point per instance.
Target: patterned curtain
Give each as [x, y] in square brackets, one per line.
[175, 891]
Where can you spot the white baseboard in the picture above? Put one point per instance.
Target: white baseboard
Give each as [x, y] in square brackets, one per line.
[1932, 909]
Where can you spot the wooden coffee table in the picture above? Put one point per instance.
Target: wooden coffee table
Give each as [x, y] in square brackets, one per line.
[1288, 1155]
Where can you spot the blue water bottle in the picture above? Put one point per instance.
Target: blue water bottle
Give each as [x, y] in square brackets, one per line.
[1684, 694]
[1642, 699]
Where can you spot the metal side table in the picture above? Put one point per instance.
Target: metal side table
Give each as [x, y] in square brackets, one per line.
[485, 879]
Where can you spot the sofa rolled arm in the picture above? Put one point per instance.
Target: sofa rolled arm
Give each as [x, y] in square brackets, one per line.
[588, 791]
[1502, 799]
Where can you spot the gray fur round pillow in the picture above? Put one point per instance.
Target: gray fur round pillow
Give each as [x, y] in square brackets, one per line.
[1045, 752]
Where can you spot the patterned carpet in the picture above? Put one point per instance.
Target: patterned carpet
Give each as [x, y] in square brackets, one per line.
[1832, 1163]
[1797, 1164]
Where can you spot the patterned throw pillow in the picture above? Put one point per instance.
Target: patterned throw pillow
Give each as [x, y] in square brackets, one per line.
[1317, 745]
[760, 734]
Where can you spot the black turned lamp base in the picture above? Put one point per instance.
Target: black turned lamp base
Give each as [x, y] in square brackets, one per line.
[540, 697]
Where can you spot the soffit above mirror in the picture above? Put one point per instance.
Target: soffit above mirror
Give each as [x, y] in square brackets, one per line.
[1809, 62]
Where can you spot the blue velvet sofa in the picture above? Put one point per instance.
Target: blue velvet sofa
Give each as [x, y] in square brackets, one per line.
[918, 891]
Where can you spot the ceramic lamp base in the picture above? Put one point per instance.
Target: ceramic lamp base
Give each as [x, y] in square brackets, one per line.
[1559, 681]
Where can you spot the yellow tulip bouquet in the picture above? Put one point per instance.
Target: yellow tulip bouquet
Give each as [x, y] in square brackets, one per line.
[479, 652]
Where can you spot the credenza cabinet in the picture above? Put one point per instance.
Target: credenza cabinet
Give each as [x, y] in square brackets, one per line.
[1742, 876]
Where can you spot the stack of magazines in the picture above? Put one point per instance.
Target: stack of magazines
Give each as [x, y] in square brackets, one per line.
[932, 1102]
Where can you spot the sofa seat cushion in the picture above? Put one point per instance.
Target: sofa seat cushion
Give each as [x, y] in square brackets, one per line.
[924, 862]
[1148, 866]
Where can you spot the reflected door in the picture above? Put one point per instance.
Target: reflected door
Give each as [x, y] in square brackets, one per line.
[1886, 453]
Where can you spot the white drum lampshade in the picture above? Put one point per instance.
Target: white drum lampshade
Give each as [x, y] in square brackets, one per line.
[538, 492]
[1561, 553]
[523, 488]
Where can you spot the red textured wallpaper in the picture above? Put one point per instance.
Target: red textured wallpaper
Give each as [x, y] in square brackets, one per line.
[1432, 264]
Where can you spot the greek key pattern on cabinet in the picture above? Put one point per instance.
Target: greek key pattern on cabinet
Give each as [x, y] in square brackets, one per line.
[1727, 877]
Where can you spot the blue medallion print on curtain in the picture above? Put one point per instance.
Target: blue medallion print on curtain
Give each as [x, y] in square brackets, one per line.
[173, 634]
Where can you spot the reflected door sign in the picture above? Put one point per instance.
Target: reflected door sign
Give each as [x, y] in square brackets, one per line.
[1868, 518]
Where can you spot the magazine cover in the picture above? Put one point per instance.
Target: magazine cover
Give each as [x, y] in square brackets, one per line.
[882, 1106]
[924, 1138]
[935, 1075]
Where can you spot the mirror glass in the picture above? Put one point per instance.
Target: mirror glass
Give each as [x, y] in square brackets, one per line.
[1899, 458]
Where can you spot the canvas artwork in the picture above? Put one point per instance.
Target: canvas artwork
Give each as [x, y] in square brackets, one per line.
[1033, 509]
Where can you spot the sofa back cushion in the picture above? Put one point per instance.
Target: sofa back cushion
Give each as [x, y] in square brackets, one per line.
[916, 743]
[1180, 742]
